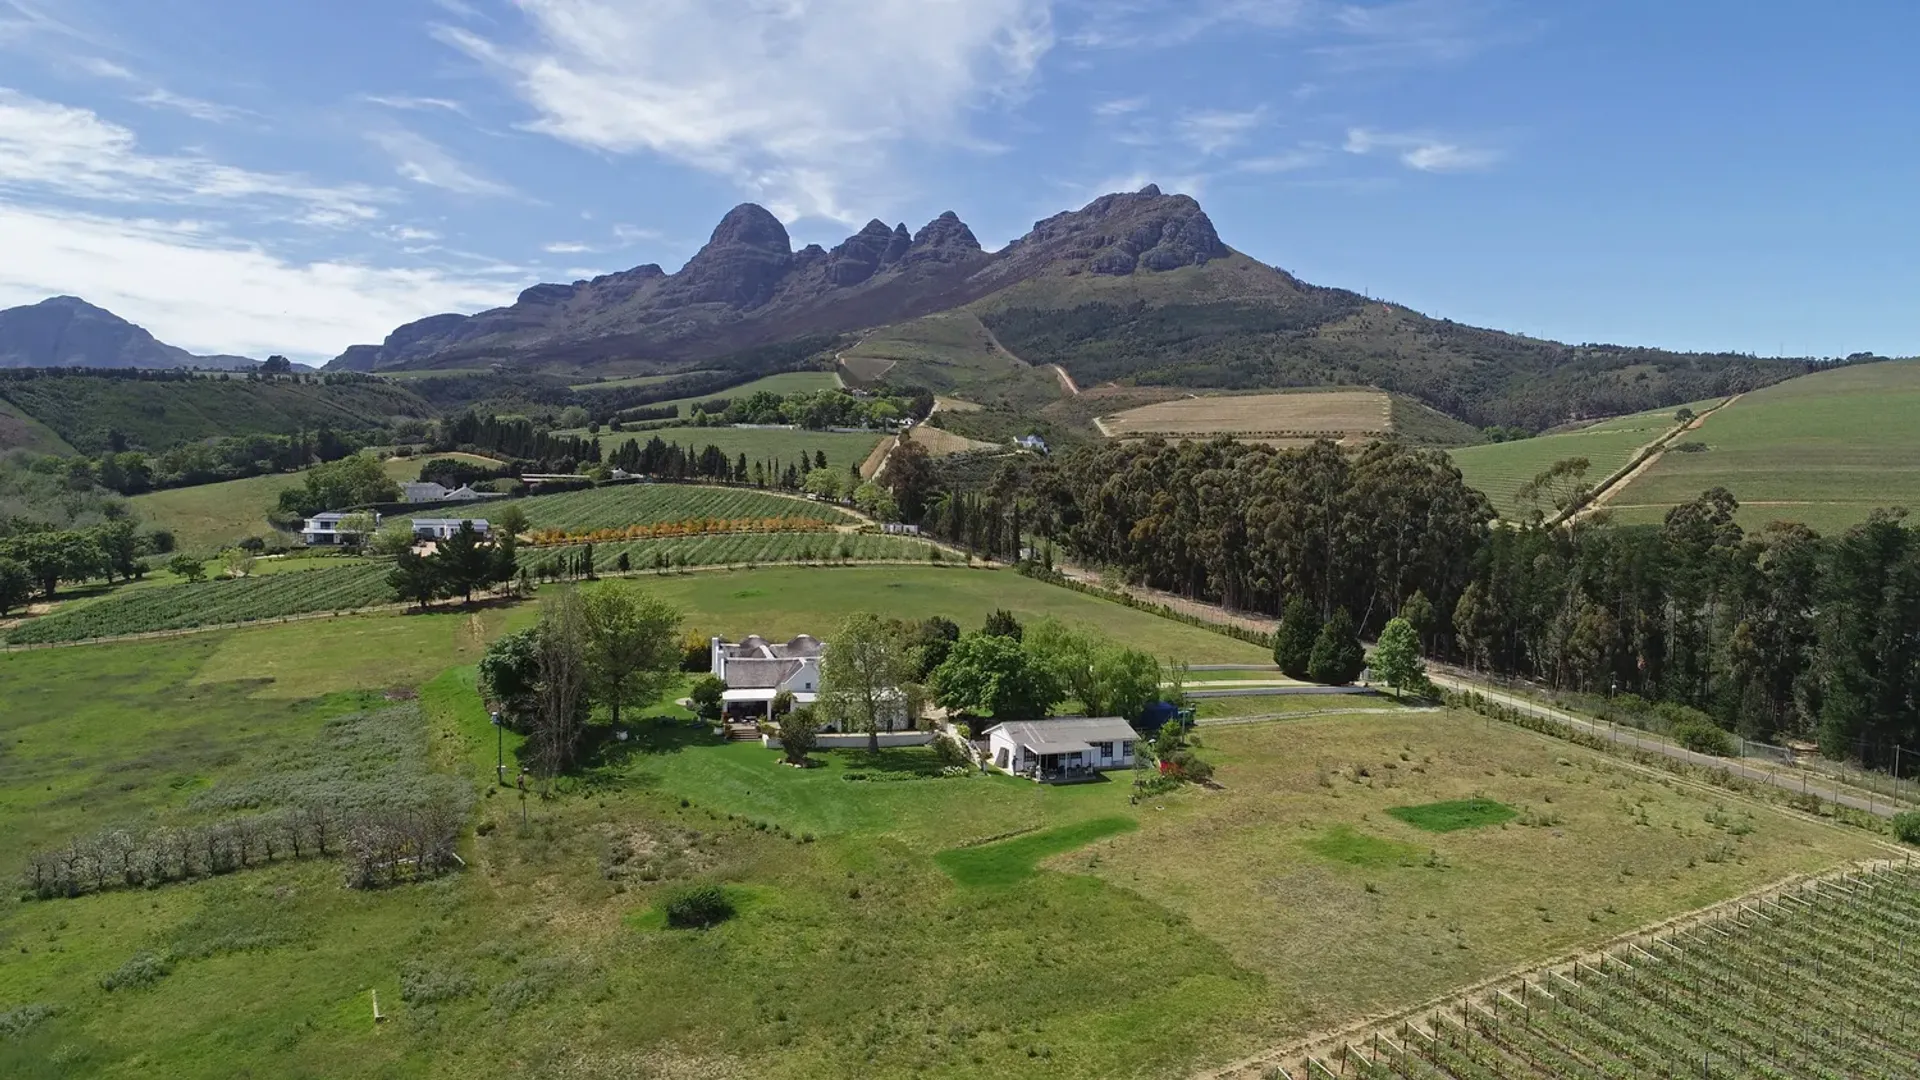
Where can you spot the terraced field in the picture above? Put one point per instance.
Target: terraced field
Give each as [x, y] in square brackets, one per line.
[1823, 449]
[646, 504]
[211, 603]
[1499, 469]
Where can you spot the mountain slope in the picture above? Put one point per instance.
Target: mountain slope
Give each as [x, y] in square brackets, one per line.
[1134, 287]
[66, 331]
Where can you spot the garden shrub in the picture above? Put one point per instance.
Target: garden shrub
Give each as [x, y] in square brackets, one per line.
[697, 906]
[1906, 827]
[144, 969]
[1702, 736]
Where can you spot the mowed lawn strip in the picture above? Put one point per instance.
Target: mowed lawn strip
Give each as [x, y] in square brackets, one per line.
[1005, 862]
[1455, 815]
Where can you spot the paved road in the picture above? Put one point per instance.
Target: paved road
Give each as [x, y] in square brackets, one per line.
[1787, 780]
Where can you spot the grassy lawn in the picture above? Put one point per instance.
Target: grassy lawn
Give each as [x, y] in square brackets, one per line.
[209, 517]
[1823, 449]
[893, 922]
[759, 444]
[1281, 704]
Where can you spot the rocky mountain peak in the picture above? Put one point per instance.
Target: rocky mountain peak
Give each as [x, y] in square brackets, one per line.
[741, 265]
[944, 239]
[1124, 232]
[753, 226]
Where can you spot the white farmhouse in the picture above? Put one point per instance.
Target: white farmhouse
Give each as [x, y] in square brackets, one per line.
[756, 670]
[323, 530]
[1054, 750]
[444, 528]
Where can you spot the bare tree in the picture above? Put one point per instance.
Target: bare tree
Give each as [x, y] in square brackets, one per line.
[560, 699]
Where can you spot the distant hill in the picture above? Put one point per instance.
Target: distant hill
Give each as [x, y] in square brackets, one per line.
[66, 331]
[1131, 288]
[94, 411]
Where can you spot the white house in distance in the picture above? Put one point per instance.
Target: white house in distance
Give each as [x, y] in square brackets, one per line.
[426, 491]
[1054, 750]
[755, 670]
[444, 528]
[323, 530]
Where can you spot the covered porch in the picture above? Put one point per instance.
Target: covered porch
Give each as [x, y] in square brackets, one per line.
[756, 703]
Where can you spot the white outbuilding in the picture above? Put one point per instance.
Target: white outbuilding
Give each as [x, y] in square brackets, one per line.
[1055, 750]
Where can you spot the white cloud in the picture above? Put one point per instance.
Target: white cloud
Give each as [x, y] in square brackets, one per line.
[1120, 106]
[414, 104]
[412, 234]
[210, 111]
[1212, 131]
[196, 288]
[423, 161]
[803, 104]
[107, 69]
[55, 150]
[1426, 153]
[566, 247]
[633, 234]
[1288, 161]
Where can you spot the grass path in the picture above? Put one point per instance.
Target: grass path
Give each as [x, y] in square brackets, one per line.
[1647, 458]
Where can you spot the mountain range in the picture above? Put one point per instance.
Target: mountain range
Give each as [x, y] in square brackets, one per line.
[1133, 288]
[66, 331]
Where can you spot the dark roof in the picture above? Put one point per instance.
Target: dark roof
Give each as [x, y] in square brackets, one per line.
[749, 674]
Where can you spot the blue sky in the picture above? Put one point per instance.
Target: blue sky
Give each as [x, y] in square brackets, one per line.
[300, 175]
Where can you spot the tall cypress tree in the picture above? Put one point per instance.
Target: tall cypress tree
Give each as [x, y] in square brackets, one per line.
[1293, 640]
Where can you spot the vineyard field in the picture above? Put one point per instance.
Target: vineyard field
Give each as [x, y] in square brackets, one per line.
[1810, 983]
[211, 603]
[740, 548]
[646, 504]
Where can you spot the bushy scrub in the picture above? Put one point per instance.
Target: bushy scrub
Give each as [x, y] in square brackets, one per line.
[1906, 827]
[1702, 736]
[144, 969]
[696, 907]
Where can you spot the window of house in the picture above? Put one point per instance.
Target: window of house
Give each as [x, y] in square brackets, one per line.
[1126, 748]
[1105, 748]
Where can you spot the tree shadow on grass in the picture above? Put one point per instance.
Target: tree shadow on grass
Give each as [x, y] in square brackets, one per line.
[648, 738]
[909, 760]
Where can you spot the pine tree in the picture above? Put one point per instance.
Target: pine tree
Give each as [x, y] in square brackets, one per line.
[1293, 640]
[1337, 658]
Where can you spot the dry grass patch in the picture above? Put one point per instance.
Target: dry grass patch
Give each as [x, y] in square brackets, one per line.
[1338, 413]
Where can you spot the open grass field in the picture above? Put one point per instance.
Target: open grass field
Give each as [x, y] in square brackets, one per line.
[759, 444]
[646, 504]
[1238, 706]
[1823, 449]
[891, 923]
[1333, 414]
[1499, 469]
[948, 351]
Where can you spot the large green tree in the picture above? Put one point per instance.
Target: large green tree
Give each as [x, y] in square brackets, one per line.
[1396, 657]
[465, 561]
[864, 675]
[632, 645]
[416, 578]
[989, 673]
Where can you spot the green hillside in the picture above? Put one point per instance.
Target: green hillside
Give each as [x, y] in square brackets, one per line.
[1499, 469]
[157, 413]
[1823, 449]
[18, 431]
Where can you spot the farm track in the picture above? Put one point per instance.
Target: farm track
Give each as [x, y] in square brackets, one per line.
[1646, 458]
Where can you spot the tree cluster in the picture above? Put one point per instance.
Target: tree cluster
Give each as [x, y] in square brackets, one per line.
[1015, 672]
[131, 472]
[613, 644]
[39, 560]
[460, 564]
[383, 844]
[357, 480]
